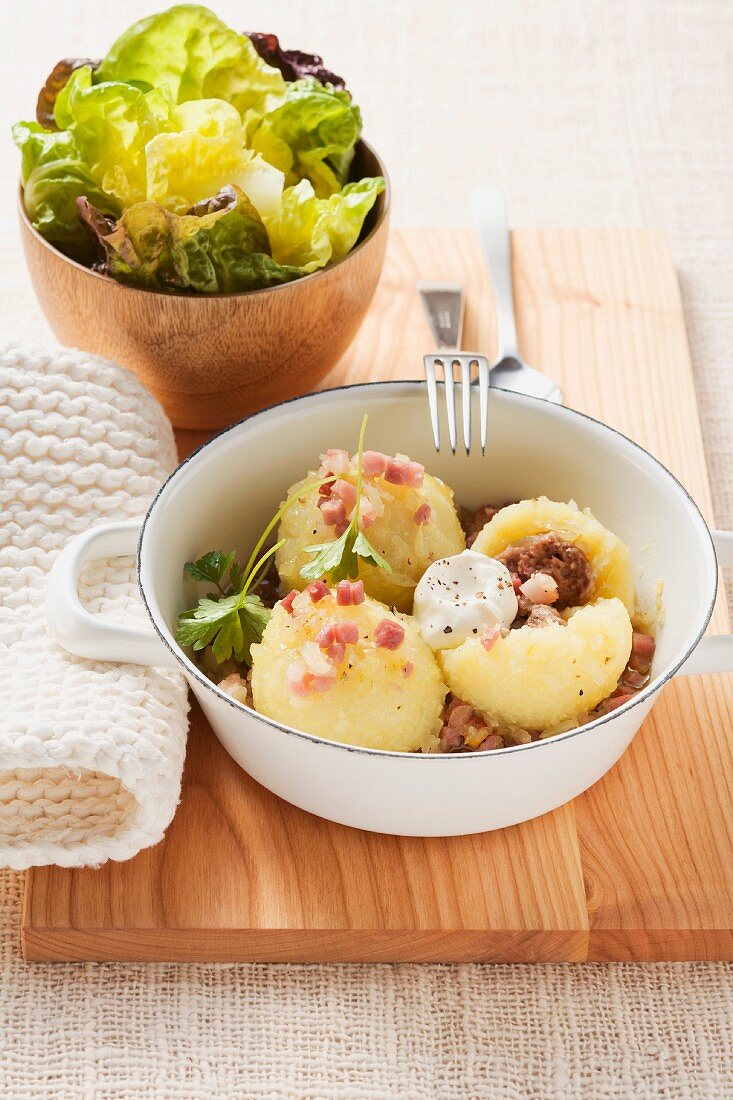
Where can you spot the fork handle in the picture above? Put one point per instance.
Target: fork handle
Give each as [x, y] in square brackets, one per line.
[489, 213]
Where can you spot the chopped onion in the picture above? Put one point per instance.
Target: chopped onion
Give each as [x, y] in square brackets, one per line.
[315, 660]
[540, 588]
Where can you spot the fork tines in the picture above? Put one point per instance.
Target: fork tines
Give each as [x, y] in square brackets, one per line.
[473, 369]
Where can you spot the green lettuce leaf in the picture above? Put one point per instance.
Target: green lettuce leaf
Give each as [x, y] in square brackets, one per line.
[197, 56]
[309, 232]
[311, 135]
[54, 177]
[220, 246]
[203, 153]
[111, 124]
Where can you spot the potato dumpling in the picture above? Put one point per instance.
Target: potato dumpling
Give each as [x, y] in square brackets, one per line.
[408, 544]
[386, 696]
[609, 558]
[538, 678]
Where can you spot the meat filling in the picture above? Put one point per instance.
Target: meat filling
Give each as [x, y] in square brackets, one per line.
[542, 614]
[563, 561]
[473, 522]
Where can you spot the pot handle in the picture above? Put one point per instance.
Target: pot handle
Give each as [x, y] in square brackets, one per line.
[88, 635]
[714, 654]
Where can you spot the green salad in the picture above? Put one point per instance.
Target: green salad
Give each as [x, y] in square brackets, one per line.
[195, 158]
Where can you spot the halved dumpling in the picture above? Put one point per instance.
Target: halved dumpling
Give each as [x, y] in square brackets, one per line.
[385, 691]
[609, 557]
[537, 678]
[413, 528]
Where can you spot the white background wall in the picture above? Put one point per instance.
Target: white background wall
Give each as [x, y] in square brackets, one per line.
[587, 111]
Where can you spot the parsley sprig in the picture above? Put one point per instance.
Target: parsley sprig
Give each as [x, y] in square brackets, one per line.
[232, 619]
[340, 559]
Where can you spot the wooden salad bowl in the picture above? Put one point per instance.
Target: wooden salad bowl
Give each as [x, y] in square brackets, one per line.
[214, 358]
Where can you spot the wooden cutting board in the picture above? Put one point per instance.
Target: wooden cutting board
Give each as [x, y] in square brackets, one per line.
[639, 867]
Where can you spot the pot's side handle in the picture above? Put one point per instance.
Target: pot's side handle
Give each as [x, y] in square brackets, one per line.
[88, 635]
[714, 654]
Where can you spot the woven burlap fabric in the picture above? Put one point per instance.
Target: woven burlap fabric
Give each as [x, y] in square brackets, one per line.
[106, 1032]
[589, 112]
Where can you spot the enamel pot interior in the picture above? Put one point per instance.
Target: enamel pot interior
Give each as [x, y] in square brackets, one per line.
[223, 496]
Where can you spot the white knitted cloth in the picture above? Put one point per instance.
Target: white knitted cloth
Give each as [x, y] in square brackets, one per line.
[91, 753]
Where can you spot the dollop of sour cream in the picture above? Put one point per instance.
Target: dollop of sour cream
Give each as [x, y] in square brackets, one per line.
[462, 596]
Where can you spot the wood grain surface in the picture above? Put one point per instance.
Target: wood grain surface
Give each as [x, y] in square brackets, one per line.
[639, 867]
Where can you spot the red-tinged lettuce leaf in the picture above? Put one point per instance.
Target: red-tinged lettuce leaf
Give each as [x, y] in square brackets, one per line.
[219, 247]
[293, 64]
[55, 81]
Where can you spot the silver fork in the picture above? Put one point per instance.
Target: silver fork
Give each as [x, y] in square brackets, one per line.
[508, 371]
[443, 305]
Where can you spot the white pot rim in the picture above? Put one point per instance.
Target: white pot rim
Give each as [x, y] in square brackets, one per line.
[405, 385]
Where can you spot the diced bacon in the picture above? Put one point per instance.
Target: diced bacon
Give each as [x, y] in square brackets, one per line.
[460, 716]
[333, 512]
[642, 652]
[493, 741]
[466, 727]
[326, 636]
[334, 638]
[346, 492]
[423, 514]
[633, 679]
[415, 474]
[332, 648]
[540, 588]
[335, 461]
[317, 590]
[321, 683]
[304, 677]
[336, 653]
[373, 463]
[346, 632]
[389, 634]
[516, 583]
[615, 701]
[299, 679]
[367, 513]
[490, 637]
[324, 491]
[450, 739]
[372, 494]
[349, 593]
[642, 645]
[477, 733]
[408, 669]
[453, 706]
[339, 633]
[287, 601]
[397, 471]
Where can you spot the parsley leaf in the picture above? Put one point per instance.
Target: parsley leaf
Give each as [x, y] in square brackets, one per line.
[211, 567]
[340, 559]
[233, 624]
[364, 550]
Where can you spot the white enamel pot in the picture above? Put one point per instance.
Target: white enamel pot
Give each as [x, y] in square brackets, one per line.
[222, 496]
